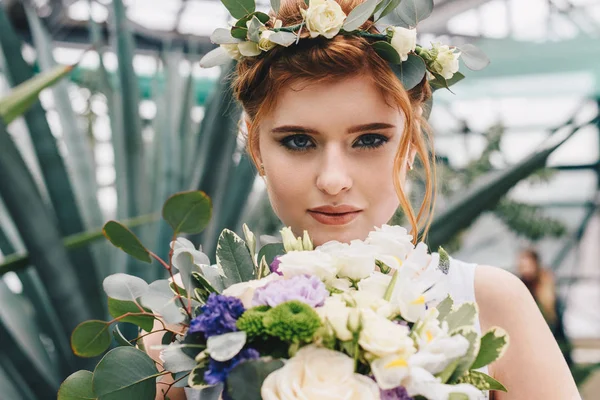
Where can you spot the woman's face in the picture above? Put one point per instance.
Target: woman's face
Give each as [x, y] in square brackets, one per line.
[328, 153]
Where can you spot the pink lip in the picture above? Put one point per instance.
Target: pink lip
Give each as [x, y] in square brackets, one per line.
[329, 215]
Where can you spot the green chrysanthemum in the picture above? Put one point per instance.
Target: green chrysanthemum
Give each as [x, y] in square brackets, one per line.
[251, 322]
[292, 321]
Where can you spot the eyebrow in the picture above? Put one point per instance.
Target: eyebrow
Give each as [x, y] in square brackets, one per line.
[354, 129]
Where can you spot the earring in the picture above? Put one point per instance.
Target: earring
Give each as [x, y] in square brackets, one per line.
[410, 166]
[262, 169]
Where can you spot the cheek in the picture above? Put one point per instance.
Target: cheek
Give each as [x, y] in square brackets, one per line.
[377, 186]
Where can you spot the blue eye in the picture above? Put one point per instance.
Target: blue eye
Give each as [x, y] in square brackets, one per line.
[297, 142]
[370, 141]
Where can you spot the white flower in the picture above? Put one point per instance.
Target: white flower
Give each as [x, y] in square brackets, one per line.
[318, 373]
[313, 262]
[403, 41]
[446, 61]
[381, 337]
[376, 284]
[293, 243]
[368, 300]
[264, 43]
[393, 243]
[422, 382]
[245, 290]
[232, 50]
[335, 311]
[323, 17]
[437, 349]
[356, 261]
[248, 49]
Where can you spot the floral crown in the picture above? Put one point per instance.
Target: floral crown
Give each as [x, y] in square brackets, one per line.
[250, 37]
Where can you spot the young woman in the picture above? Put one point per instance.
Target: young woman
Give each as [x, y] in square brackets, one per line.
[334, 134]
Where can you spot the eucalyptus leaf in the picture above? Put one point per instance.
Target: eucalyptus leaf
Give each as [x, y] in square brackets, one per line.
[414, 11]
[254, 29]
[239, 32]
[117, 308]
[226, 346]
[243, 22]
[270, 251]
[188, 212]
[442, 83]
[275, 4]
[215, 57]
[211, 392]
[125, 373]
[282, 38]
[124, 287]
[223, 36]
[176, 360]
[167, 338]
[90, 338]
[126, 240]
[411, 71]
[78, 386]
[120, 338]
[463, 316]
[473, 57]
[159, 298]
[386, 7]
[387, 52]
[245, 379]
[234, 258]
[359, 15]
[493, 344]
[239, 8]
[214, 275]
[184, 262]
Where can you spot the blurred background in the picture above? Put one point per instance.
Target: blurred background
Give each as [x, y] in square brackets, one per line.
[518, 147]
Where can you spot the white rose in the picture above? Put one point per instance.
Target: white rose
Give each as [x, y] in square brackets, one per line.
[313, 262]
[403, 41]
[232, 50]
[336, 312]
[392, 241]
[381, 337]
[323, 17]
[245, 290]
[264, 43]
[248, 49]
[376, 284]
[364, 300]
[446, 62]
[356, 261]
[318, 373]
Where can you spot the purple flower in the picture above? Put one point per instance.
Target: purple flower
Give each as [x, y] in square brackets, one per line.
[304, 288]
[398, 393]
[219, 315]
[217, 371]
[274, 267]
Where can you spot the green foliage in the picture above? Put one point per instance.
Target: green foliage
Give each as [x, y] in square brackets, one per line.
[270, 251]
[415, 11]
[91, 338]
[239, 8]
[481, 381]
[78, 386]
[125, 373]
[117, 308]
[120, 338]
[234, 257]
[493, 345]
[411, 71]
[188, 212]
[359, 15]
[461, 317]
[126, 240]
[245, 380]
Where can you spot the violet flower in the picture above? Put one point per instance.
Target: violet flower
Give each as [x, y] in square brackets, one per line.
[304, 288]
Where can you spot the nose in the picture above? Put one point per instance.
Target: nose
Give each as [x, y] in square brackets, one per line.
[333, 176]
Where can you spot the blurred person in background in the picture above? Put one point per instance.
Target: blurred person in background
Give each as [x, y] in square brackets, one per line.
[540, 282]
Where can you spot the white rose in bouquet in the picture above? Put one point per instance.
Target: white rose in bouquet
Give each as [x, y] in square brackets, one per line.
[392, 243]
[318, 373]
[446, 61]
[324, 17]
[381, 337]
[376, 284]
[313, 262]
[355, 261]
[336, 312]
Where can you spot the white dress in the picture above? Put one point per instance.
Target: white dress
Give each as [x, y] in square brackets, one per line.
[461, 281]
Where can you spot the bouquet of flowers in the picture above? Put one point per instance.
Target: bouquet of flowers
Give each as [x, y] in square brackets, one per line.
[366, 320]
